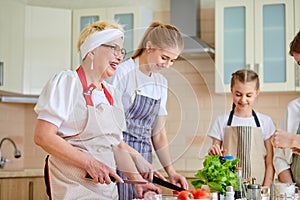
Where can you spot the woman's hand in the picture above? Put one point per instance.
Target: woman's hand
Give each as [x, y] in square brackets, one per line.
[283, 139]
[143, 189]
[101, 173]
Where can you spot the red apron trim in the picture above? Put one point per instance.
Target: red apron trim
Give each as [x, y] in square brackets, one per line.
[87, 90]
[47, 177]
[108, 95]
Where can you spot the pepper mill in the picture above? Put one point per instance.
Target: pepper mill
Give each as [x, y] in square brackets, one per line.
[253, 190]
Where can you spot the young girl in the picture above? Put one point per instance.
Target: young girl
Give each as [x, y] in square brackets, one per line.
[244, 133]
[144, 96]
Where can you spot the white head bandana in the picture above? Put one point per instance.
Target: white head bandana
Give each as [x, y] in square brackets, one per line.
[98, 38]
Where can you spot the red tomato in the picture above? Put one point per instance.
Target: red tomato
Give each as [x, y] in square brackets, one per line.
[175, 193]
[185, 195]
[201, 194]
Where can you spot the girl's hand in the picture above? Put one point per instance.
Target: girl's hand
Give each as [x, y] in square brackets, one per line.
[146, 169]
[177, 178]
[216, 150]
[144, 189]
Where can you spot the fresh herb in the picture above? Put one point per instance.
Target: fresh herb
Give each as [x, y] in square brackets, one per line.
[217, 174]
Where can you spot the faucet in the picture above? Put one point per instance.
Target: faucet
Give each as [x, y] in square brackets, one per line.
[3, 160]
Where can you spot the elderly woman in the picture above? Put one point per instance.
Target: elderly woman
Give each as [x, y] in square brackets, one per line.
[80, 123]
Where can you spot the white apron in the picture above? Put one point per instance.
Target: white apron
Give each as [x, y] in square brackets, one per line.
[102, 131]
[295, 165]
[247, 144]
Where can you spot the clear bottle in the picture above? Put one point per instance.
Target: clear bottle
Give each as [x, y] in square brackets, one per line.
[239, 192]
[229, 193]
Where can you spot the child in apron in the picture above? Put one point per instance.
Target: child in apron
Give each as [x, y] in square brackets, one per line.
[244, 133]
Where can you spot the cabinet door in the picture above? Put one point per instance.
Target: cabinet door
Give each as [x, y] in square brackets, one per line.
[37, 189]
[81, 18]
[135, 20]
[255, 35]
[12, 44]
[234, 40]
[47, 46]
[14, 188]
[273, 33]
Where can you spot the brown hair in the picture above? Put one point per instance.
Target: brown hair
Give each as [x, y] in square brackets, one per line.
[163, 36]
[295, 44]
[244, 76]
[96, 27]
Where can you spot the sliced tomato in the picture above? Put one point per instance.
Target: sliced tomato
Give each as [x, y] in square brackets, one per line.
[185, 195]
[175, 192]
[201, 194]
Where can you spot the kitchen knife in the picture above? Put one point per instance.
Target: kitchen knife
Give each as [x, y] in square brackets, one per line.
[166, 184]
[125, 181]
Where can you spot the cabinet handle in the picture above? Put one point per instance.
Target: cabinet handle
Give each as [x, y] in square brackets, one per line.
[30, 190]
[249, 66]
[257, 67]
[1, 73]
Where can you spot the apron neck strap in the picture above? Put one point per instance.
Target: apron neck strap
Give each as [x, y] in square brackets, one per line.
[107, 95]
[231, 117]
[255, 118]
[87, 90]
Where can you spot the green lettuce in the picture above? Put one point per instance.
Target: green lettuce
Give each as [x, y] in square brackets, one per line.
[217, 174]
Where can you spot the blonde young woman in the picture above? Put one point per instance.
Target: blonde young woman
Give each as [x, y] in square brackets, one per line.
[144, 97]
[80, 122]
[244, 133]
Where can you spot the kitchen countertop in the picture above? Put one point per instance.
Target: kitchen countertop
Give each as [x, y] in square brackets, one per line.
[15, 173]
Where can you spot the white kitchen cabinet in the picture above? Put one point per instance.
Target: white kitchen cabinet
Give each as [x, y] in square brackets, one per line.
[11, 42]
[47, 45]
[255, 35]
[35, 45]
[134, 20]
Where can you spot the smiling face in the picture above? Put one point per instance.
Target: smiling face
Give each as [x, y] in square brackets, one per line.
[244, 95]
[106, 60]
[154, 59]
[159, 59]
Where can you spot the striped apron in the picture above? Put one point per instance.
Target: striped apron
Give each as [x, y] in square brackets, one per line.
[140, 119]
[102, 130]
[295, 165]
[247, 144]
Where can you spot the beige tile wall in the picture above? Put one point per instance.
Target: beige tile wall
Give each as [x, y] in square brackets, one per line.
[192, 106]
